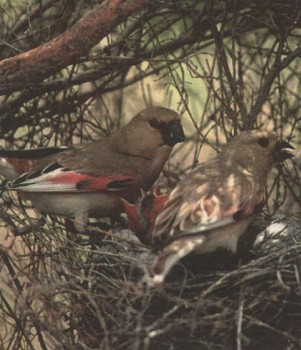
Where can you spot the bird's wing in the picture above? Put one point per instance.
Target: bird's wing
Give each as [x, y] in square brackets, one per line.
[55, 178]
[198, 205]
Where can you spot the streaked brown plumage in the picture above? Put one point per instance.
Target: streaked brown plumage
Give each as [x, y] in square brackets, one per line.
[214, 204]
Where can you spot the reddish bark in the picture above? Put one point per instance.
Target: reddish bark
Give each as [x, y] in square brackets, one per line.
[28, 68]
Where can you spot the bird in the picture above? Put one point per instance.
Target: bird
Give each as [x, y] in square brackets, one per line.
[88, 180]
[213, 204]
[143, 213]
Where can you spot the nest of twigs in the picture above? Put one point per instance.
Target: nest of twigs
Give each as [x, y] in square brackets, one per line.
[63, 291]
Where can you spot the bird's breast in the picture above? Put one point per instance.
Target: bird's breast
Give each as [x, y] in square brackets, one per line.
[72, 204]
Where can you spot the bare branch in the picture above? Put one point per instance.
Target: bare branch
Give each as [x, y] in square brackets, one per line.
[26, 69]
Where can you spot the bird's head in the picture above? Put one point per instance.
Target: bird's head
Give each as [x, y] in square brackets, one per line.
[257, 150]
[157, 126]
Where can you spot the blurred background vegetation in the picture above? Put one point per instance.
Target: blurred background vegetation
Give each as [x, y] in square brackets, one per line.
[225, 66]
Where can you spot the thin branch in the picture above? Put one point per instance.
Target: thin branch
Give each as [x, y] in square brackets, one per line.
[264, 92]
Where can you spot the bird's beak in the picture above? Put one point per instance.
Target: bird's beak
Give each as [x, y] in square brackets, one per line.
[283, 150]
[174, 133]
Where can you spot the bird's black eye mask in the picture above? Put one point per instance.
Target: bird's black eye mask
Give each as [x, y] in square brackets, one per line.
[263, 142]
[171, 132]
[154, 123]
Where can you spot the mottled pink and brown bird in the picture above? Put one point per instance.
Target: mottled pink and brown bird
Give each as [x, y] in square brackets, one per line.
[88, 179]
[214, 204]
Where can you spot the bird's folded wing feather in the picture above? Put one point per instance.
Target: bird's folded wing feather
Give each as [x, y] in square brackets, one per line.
[203, 210]
[54, 178]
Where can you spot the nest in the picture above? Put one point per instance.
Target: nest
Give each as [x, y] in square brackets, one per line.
[64, 291]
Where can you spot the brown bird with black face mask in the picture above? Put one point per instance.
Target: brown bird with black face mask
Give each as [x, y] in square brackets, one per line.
[214, 204]
[89, 179]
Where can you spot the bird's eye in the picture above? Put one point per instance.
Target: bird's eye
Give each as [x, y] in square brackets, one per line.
[263, 142]
[155, 124]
